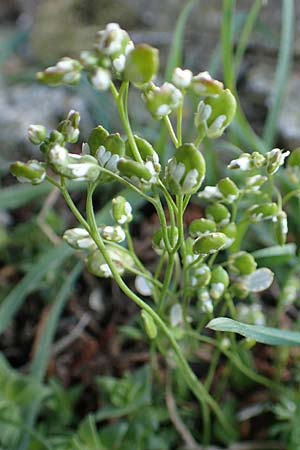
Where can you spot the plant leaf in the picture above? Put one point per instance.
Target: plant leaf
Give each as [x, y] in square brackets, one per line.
[265, 335]
[259, 280]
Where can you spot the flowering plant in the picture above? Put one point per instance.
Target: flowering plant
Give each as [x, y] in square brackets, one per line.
[201, 269]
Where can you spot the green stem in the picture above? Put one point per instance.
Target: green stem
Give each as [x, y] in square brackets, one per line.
[166, 284]
[71, 205]
[171, 130]
[194, 384]
[179, 121]
[119, 98]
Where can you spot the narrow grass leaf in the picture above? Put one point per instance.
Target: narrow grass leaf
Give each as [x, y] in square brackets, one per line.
[282, 71]
[175, 54]
[41, 355]
[265, 335]
[14, 300]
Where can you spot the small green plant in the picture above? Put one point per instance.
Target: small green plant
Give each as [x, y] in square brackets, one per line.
[203, 270]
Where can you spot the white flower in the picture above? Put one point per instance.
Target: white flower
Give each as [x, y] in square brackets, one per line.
[182, 78]
[58, 154]
[101, 79]
[119, 63]
[242, 163]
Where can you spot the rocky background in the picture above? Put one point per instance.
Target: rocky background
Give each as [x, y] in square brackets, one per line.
[35, 33]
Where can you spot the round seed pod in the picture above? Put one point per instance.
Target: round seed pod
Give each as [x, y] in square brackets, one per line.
[185, 171]
[242, 263]
[218, 213]
[201, 226]
[209, 243]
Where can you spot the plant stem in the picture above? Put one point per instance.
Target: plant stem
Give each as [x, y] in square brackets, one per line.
[194, 384]
[171, 130]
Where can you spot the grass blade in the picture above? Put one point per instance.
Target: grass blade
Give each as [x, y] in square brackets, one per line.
[282, 71]
[14, 300]
[265, 335]
[175, 54]
[41, 356]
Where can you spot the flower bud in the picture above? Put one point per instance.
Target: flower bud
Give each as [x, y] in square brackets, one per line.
[219, 282]
[69, 127]
[239, 289]
[121, 210]
[37, 134]
[182, 78]
[158, 242]
[200, 275]
[56, 137]
[113, 234]
[32, 172]
[149, 325]
[161, 101]
[281, 228]
[112, 41]
[214, 114]
[100, 79]
[209, 243]
[228, 189]
[66, 71]
[252, 314]
[109, 154]
[203, 84]
[204, 303]
[266, 211]
[242, 263]
[97, 138]
[199, 227]
[79, 239]
[141, 64]
[247, 161]
[185, 171]
[218, 213]
[275, 159]
[143, 286]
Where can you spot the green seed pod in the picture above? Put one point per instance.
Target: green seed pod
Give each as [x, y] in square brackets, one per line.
[97, 138]
[121, 210]
[147, 152]
[239, 289]
[198, 227]
[215, 113]
[242, 263]
[209, 243]
[228, 189]
[230, 231]
[218, 283]
[119, 256]
[141, 64]
[32, 172]
[141, 175]
[281, 228]
[266, 211]
[161, 101]
[66, 71]
[203, 84]
[158, 242]
[185, 171]
[37, 134]
[200, 275]
[218, 213]
[115, 144]
[73, 166]
[149, 325]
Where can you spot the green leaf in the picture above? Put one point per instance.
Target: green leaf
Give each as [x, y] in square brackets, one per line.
[275, 255]
[265, 335]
